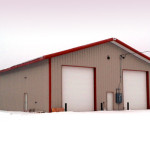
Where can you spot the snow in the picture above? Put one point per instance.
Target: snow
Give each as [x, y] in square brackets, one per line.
[101, 130]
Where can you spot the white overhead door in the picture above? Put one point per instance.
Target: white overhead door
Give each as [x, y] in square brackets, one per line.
[78, 88]
[134, 88]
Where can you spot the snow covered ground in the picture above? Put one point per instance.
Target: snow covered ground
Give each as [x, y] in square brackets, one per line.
[117, 130]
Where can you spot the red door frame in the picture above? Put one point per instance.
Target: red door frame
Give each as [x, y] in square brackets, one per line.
[147, 84]
[94, 68]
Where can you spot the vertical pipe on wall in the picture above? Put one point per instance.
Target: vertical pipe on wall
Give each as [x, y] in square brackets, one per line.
[50, 85]
[147, 88]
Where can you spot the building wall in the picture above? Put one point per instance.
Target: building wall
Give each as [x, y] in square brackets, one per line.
[32, 79]
[107, 71]
[13, 84]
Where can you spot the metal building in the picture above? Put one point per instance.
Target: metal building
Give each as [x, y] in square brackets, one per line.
[108, 75]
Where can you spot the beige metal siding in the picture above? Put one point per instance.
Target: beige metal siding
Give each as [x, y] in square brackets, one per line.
[13, 85]
[107, 71]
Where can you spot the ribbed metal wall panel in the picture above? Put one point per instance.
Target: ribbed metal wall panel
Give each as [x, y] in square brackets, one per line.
[13, 85]
[107, 71]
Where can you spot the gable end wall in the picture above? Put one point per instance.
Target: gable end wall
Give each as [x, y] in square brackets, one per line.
[107, 71]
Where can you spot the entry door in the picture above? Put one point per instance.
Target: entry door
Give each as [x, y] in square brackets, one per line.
[134, 88]
[78, 88]
[110, 101]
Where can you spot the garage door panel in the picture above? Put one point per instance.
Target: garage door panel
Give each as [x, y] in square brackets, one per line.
[134, 87]
[78, 88]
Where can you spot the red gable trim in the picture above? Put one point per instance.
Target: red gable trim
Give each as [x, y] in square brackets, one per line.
[76, 49]
[132, 49]
[23, 64]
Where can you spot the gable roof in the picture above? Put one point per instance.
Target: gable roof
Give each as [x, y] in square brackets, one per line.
[112, 40]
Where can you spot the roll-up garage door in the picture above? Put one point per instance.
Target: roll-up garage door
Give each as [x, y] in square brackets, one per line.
[134, 88]
[78, 88]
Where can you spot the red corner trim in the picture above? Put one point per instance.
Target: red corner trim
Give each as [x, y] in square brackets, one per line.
[95, 101]
[147, 86]
[50, 89]
[134, 50]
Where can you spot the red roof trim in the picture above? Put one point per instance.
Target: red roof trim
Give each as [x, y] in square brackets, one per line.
[77, 48]
[73, 50]
[23, 64]
[134, 50]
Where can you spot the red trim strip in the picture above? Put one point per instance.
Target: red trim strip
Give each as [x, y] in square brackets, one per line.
[147, 86]
[58, 54]
[77, 48]
[23, 64]
[78, 66]
[50, 88]
[95, 101]
[134, 50]
[133, 70]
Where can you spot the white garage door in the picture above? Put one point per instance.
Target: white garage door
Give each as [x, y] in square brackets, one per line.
[134, 87]
[78, 88]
